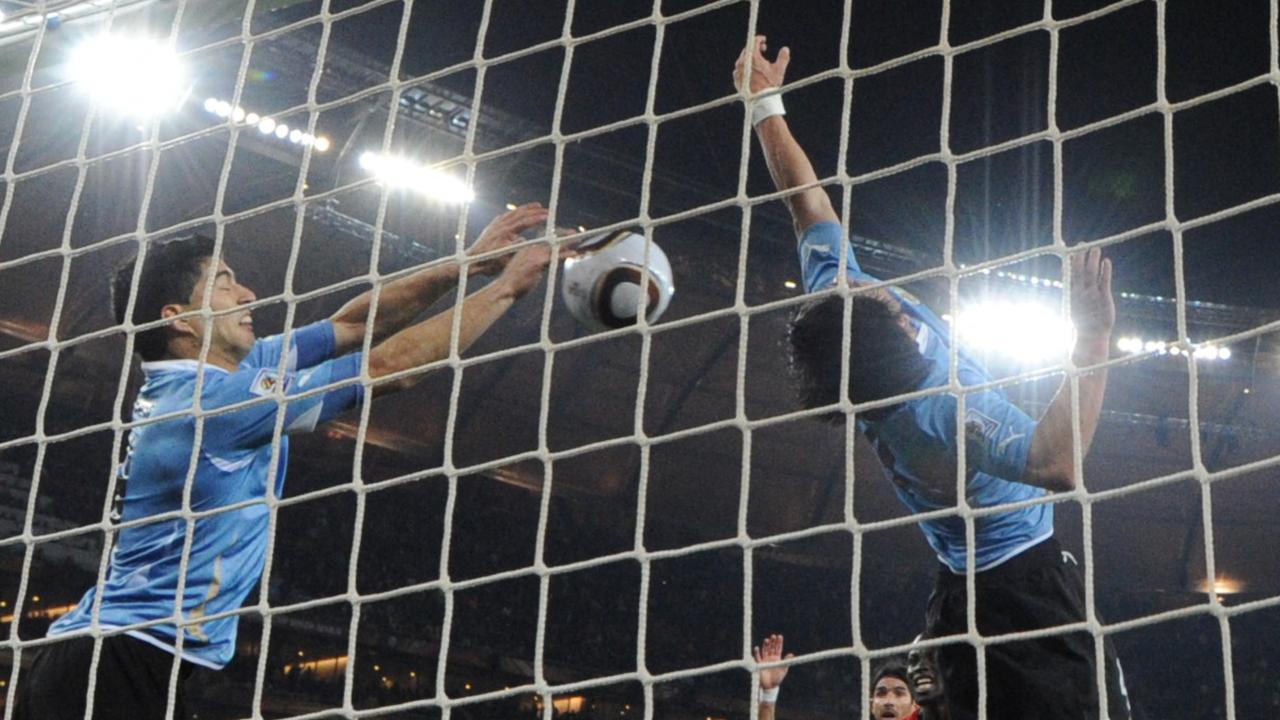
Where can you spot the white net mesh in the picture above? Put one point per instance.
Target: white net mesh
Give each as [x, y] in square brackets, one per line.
[604, 524]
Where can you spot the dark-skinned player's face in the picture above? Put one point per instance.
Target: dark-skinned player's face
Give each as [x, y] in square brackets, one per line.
[922, 671]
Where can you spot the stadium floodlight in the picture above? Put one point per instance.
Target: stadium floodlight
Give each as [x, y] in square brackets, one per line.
[404, 173]
[1025, 332]
[265, 124]
[137, 76]
[1135, 345]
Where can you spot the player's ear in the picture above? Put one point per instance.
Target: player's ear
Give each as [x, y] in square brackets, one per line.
[181, 325]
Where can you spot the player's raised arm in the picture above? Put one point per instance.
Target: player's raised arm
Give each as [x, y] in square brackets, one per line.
[770, 650]
[404, 299]
[788, 163]
[1050, 461]
[428, 341]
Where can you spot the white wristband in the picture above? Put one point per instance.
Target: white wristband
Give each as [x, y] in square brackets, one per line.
[765, 108]
[770, 695]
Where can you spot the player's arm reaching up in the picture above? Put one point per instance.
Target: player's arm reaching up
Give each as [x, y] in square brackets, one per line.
[428, 341]
[1051, 459]
[788, 163]
[404, 299]
[770, 650]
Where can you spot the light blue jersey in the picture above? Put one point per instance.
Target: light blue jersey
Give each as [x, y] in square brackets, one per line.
[233, 464]
[921, 437]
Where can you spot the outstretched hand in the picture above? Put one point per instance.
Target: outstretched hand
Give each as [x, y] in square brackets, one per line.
[525, 270]
[764, 74]
[502, 232]
[770, 650]
[1093, 309]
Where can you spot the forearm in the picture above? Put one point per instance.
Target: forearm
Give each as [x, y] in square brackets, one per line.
[399, 303]
[766, 710]
[1051, 459]
[790, 168]
[428, 341]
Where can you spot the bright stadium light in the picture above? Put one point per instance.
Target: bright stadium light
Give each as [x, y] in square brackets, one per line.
[404, 173]
[265, 124]
[140, 77]
[1023, 331]
[1207, 351]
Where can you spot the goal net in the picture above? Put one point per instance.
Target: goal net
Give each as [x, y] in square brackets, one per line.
[559, 522]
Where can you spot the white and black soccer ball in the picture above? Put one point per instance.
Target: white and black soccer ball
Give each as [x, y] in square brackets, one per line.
[602, 285]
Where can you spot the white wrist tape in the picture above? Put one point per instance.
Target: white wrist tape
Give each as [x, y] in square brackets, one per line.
[765, 108]
[770, 695]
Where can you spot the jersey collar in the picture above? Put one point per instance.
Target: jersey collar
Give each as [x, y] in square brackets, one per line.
[159, 366]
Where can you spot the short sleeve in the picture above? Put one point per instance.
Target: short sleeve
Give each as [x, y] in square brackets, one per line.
[254, 424]
[312, 344]
[820, 256]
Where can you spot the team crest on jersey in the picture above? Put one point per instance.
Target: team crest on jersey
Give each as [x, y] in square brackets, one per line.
[265, 382]
[978, 425]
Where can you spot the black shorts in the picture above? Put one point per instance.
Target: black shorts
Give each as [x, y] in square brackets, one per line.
[133, 681]
[1048, 678]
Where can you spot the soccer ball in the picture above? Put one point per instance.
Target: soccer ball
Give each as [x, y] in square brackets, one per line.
[602, 286]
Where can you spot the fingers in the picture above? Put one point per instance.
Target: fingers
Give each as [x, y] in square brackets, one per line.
[524, 217]
[770, 648]
[784, 59]
[1090, 270]
[1106, 277]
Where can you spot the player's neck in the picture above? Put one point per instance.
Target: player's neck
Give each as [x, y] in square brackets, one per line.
[189, 349]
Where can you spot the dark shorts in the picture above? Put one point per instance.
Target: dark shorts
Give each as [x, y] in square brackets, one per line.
[133, 681]
[1048, 678]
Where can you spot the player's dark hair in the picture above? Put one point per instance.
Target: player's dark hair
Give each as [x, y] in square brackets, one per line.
[883, 360]
[170, 272]
[893, 668]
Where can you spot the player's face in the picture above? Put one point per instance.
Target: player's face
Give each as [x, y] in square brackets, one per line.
[922, 671]
[232, 333]
[891, 699]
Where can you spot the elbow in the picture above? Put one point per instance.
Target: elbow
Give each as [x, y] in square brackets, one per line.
[381, 366]
[1054, 477]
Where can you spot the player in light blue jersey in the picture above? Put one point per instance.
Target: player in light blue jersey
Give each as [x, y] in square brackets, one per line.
[225, 442]
[899, 346]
